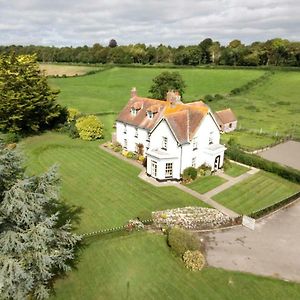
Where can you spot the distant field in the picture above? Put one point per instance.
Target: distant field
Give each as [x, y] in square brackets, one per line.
[273, 106]
[108, 189]
[68, 70]
[110, 90]
[256, 192]
[141, 266]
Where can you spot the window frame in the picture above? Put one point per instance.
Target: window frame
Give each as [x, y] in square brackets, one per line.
[136, 134]
[195, 143]
[125, 144]
[194, 162]
[125, 129]
[169, 170]
[164, 144]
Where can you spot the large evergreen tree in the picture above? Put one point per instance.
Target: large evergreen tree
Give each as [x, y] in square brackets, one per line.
[34, 244]
[27, 104]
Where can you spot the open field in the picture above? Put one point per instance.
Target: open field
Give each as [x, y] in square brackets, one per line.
[110, 90]
[236, 170]
[204, 184]
[273, 106]
[68, 70]
[108, 189]
[248, 140]
[140, 266]
[256, 192]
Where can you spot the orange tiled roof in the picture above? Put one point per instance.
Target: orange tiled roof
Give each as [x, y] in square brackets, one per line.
[225, 116]
[184, 119]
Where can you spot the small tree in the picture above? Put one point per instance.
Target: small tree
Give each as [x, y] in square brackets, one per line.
[166, 81]
[89, 128]
[27, 104]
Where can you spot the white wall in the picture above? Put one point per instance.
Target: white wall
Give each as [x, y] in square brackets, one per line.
[132, 140]
[202, 136]
[226, 127]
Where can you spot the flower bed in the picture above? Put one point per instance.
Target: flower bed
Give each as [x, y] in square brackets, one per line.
[196, 218]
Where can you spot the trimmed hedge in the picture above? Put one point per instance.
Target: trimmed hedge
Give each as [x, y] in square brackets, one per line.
[266, 210]
[253, 160]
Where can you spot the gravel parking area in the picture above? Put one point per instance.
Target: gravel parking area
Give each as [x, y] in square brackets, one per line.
[287, 154]
[272, 249]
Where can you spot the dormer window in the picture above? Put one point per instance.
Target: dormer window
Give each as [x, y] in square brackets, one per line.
[133, 111]
[150, 114]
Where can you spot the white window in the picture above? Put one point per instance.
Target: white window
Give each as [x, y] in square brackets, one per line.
[136, 132]
[195, 143]
[133, 111]
[169, 170]
[164, 145]
[125, 143]
[148, 137]
[150, 114]
[153, 168]
[210, 139]
[194, 162]
[125, 128]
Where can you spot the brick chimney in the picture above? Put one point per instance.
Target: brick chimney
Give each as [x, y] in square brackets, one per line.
[133, 92]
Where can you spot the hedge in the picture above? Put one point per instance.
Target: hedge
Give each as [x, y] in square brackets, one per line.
[266, 210]
[253, 160]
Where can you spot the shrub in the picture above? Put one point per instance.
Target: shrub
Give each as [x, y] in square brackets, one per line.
[117, 147]
[145, 215]
[141, 158]
[124, 153]
[208, 98]
[218, 97]
[131, 155]
[11, 137]
[73, 114]
[180, 241]
[194, 260]
[189, 173]
[89, 128]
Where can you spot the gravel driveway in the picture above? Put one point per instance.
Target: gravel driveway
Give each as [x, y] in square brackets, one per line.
[272, 249]
[287, 154]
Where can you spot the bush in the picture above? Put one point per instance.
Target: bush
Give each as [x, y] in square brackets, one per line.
[11, 137]
[131, 155]
[194, 260]
[208, 98]
[204, 170]
[117, 147]
[180, 241]
[89, 128]
[73, 114]
[189, 173]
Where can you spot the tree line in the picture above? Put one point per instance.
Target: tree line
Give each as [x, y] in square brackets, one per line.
[274, 52]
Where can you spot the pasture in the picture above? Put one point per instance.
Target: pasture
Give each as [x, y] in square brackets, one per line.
[256, 192]
[66, 70]
[141, 266]
[107, 189]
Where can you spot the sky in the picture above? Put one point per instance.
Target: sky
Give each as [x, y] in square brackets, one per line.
[170, 22]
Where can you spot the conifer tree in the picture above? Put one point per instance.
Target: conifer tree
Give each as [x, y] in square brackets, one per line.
[34, 245]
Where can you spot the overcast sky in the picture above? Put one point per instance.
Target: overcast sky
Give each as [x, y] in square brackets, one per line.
[173, 22]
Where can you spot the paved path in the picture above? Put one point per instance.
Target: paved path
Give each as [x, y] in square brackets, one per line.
[203, 197]
[272, 249]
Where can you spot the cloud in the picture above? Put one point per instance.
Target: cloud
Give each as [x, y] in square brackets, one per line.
[173, 22]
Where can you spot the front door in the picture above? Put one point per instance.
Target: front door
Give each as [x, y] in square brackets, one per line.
[153, 168]
[217, 163]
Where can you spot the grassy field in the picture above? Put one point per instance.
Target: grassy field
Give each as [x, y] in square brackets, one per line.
[256, 192]
[273, 106]
[68, 70]
[140, 266]
[108, 189]
[110, 90]
[248, 140]
[204, 184]
[236, 170]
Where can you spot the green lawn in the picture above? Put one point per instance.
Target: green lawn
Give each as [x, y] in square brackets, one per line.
[235, 170]
[273, 106]
[141, 266]
[108, 189]
[204, 184]
[248, 140]
[256, 192]
[110, 90]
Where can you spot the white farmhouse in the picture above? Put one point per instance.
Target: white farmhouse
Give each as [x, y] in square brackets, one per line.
[172, 135]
